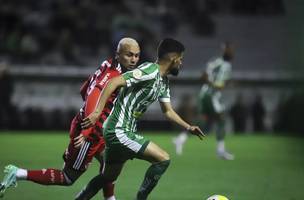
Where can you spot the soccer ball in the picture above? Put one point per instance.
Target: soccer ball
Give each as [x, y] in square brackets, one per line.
[217, 197]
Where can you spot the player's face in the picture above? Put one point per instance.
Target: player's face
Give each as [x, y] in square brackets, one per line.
[176, 64]
[129, 56]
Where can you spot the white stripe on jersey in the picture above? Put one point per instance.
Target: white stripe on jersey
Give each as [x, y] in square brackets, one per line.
[131, 144]
[106, 63]
[81, 155]
[165, 100]
[132, 105]
[118, 68]
[122, 112]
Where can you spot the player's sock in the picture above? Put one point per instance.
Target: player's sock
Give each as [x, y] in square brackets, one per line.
[220, 130]
[110, 198]
[47, 177]
[222, 153]
[180, 141]
[152, 176]
[21, 174]
[220, 146]
[108, 191]
[92, 188]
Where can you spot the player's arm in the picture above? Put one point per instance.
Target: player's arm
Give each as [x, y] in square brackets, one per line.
[90, 105]
[216, 85]
[111, 86]
[173, 116]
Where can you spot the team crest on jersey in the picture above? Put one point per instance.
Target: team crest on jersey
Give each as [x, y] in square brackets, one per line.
[137, 74]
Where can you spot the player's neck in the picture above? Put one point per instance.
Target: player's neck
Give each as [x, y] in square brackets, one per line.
[163, 67]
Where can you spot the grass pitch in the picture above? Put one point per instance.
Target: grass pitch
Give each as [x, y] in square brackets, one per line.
[266, 168]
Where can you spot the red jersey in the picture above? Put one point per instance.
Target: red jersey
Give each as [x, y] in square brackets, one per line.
[91, 90]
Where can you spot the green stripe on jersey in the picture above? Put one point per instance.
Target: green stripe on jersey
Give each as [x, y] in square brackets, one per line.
[144, 86]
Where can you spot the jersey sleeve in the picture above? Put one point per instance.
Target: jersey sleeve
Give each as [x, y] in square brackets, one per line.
[144, 72]
[165, 94]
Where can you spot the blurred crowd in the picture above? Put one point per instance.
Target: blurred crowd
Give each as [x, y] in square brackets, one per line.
[75, 32]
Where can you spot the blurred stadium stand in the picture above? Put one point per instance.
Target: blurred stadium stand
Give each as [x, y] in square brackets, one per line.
[52, 46]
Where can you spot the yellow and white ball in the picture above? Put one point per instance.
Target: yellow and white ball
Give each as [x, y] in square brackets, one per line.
[217, 197]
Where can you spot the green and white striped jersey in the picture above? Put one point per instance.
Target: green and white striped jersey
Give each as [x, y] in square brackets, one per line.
[218, 71]
[144, 86]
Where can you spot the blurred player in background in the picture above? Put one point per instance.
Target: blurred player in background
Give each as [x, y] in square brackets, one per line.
[140, 88]
[211, 107]
[187, 109]
[84, 143]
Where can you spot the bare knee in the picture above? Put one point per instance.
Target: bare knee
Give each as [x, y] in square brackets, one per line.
[164, 156]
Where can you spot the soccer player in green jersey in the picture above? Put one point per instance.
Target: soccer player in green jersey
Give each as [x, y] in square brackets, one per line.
[211, 107]
[138, 89]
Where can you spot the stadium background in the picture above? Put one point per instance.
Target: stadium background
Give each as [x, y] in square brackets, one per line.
[50, 47]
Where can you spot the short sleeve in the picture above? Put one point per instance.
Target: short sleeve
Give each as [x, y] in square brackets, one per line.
[165, 93]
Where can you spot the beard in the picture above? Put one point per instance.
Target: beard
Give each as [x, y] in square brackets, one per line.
[174, 71]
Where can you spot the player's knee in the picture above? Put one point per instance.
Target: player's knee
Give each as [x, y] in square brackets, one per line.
[69, 182]
[164, 156]
[70, 177]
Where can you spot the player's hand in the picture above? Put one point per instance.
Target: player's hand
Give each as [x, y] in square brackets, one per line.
[195, 130]
[89, 120]
[79, 141]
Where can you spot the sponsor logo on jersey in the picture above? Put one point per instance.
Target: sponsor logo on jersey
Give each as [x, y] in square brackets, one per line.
[105, 79]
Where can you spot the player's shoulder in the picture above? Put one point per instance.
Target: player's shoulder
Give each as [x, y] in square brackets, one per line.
[105, 64]
[215, 61]
[148, 67]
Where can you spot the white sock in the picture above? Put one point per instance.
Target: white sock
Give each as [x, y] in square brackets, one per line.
[221, 146]
[111, 198]
[182, 137]
[21, 174]
[179, 142]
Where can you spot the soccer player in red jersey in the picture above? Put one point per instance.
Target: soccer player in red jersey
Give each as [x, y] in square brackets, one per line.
[88, 143]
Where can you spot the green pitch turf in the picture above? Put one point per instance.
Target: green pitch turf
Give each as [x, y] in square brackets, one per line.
[266, 168]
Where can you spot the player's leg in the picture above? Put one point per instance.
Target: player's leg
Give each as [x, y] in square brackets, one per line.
[43, 176]
[179, 142]
[108, 189]
[109, 174]
[160, 161]
[220, 138]
[220, 128]
[14, 174]
[206, 110]
[114, 157]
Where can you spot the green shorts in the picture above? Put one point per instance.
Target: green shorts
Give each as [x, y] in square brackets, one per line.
[122, 145]
[206, 106]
